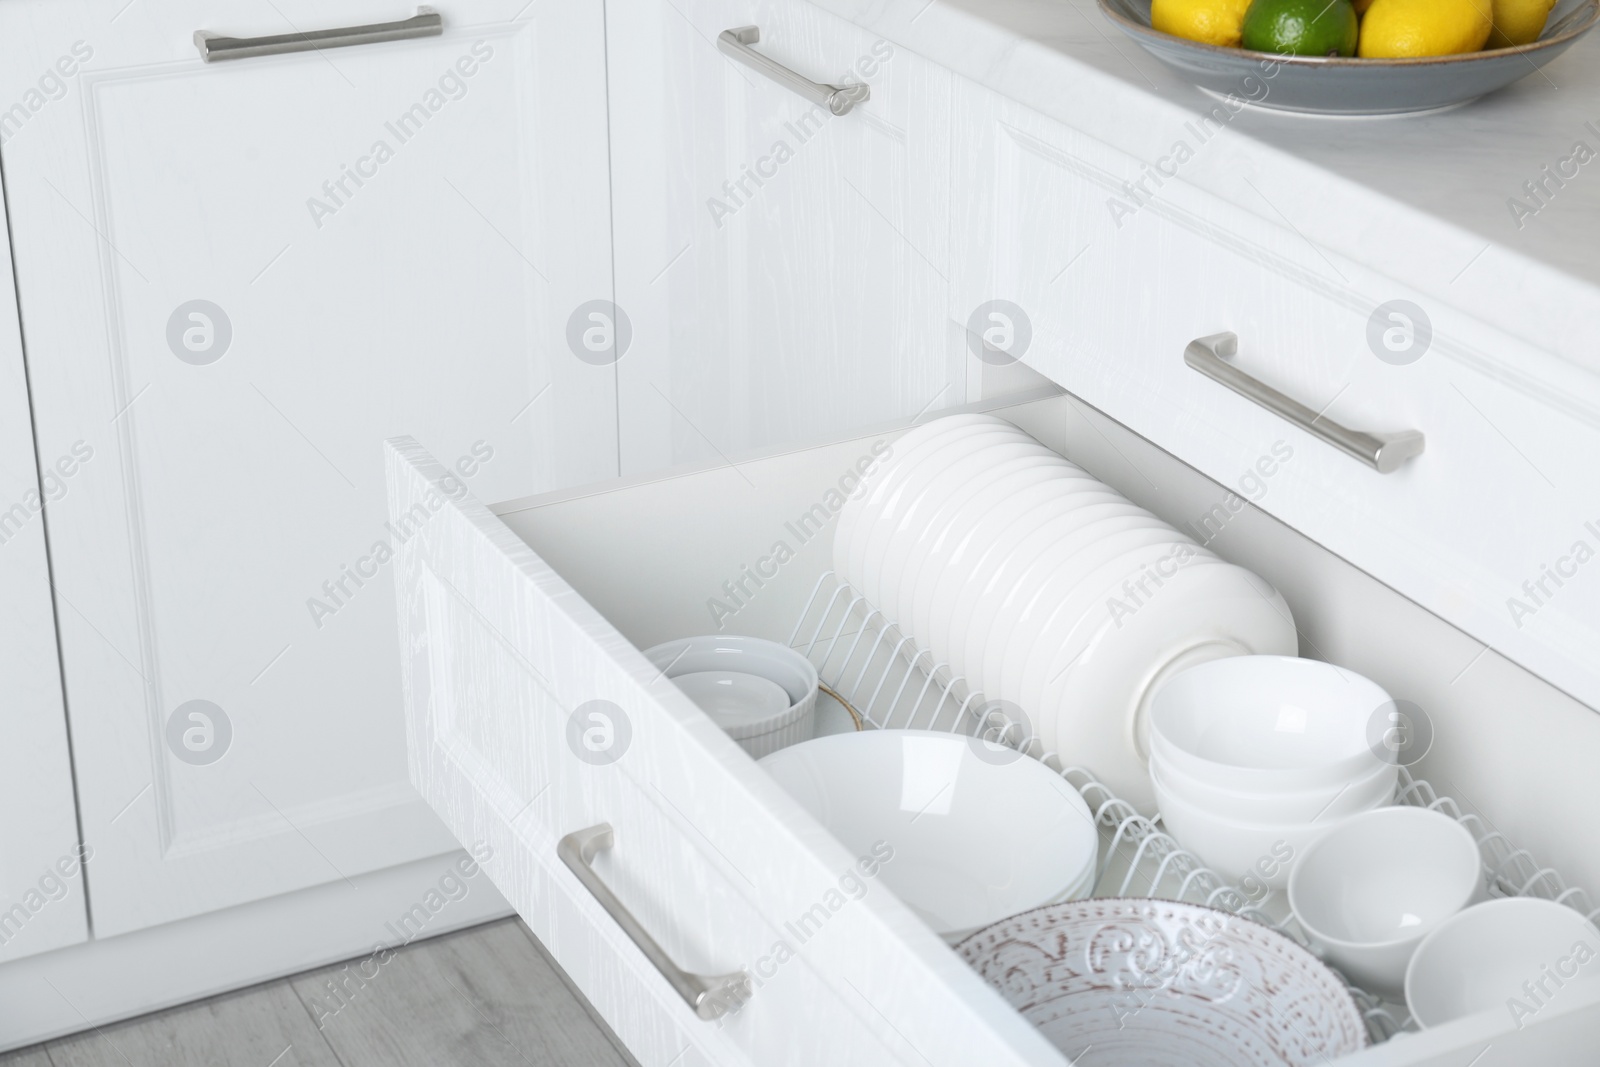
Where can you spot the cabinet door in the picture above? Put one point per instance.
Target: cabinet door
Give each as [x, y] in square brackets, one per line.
[41, 882]
[783, 269]
[237, 278]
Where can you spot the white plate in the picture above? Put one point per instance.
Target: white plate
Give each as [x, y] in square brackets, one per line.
[1004, 512]
[1097, 689]
[895, 509]
[937, 505]
[940, 557]
[883, 479]
[1084, 544]
[1061, 569]
[1155, 983]
[1076, 515]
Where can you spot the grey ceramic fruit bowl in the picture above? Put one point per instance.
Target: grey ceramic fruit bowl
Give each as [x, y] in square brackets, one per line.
[1322, 85]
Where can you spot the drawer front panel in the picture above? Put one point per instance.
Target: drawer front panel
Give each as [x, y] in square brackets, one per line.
[1492, 527]
[716, 863]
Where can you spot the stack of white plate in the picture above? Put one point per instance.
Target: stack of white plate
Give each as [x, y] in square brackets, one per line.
[1046, 588]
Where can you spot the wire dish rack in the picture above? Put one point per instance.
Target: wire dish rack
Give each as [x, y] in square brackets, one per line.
[885, 680]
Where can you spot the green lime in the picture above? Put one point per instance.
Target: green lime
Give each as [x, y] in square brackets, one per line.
[1301, 27]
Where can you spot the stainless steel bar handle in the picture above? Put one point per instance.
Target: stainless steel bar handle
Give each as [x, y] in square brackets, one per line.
[710, 997]
[1383, 452]
[838, 99]
[214, 46]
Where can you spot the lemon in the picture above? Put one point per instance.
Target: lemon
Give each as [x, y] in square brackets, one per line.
[1301, 27]
[1396, 29]
[1518, 21]
[1215, 22]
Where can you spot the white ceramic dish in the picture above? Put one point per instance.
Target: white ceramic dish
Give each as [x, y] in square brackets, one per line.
[859, 511]
[1269, 722]
[1154, 983]
[1489, 956]
[964, 518]
[1098, 683]
[1358, 794]
[941, 499]
[1012, 502]
[904, 511]
[780, 665]
[975, 838]
[733, 698]
[1371, 888]
[1237, 847]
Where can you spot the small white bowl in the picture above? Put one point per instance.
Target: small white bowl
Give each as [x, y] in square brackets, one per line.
[758, 733]
[978, 831]
[1322, 803]
[1498, 955]
[1258, 723]
[733, 698]
[1235, 848]
[1368, 890]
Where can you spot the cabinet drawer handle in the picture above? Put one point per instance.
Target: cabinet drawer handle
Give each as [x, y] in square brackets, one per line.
[214, 46]
[838, 99]
[1383, 452]
[711, 998]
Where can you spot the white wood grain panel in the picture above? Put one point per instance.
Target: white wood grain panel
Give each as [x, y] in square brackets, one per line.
[784, 270]
[724, 860]
[223, 543]
[40, 908]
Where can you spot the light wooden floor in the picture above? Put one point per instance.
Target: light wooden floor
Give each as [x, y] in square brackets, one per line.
[489, 995]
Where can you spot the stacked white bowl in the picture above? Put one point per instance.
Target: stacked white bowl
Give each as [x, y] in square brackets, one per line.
[1253, 757]
[1045, 588]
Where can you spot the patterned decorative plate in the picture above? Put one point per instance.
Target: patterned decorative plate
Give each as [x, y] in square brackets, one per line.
[1330, 85]
[1156, 983]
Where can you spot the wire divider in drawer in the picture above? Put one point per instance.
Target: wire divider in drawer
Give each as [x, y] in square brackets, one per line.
[889, 681]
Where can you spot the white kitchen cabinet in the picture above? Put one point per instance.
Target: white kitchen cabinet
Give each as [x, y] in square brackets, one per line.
[236, 279]
[41, 880]
[783, 269]
[516, 618]
[1119, 264]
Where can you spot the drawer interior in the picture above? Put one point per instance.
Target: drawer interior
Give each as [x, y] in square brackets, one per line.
[741, 547]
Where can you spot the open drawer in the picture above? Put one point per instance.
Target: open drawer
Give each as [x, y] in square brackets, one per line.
[532, 714]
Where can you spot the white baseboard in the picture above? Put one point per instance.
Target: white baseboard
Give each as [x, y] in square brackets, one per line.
[102, 981]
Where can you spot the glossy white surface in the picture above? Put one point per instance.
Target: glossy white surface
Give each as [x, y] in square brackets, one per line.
[1277, 805]
[732, 698]
[979, 832]
[1270, 723]
[1066, 606]
[1371, 888]
[1501, 954]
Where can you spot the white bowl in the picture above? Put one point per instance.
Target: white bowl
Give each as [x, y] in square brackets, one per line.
[1156, 983]
[1268, 722]
[733, 698]
[1235, 848]
[1358, 794]
[1093, 687]
[978, 832]
[757, 733]
[1513, 954]
[1371, 888]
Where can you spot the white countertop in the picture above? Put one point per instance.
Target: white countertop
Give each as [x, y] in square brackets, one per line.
[1421, 199]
